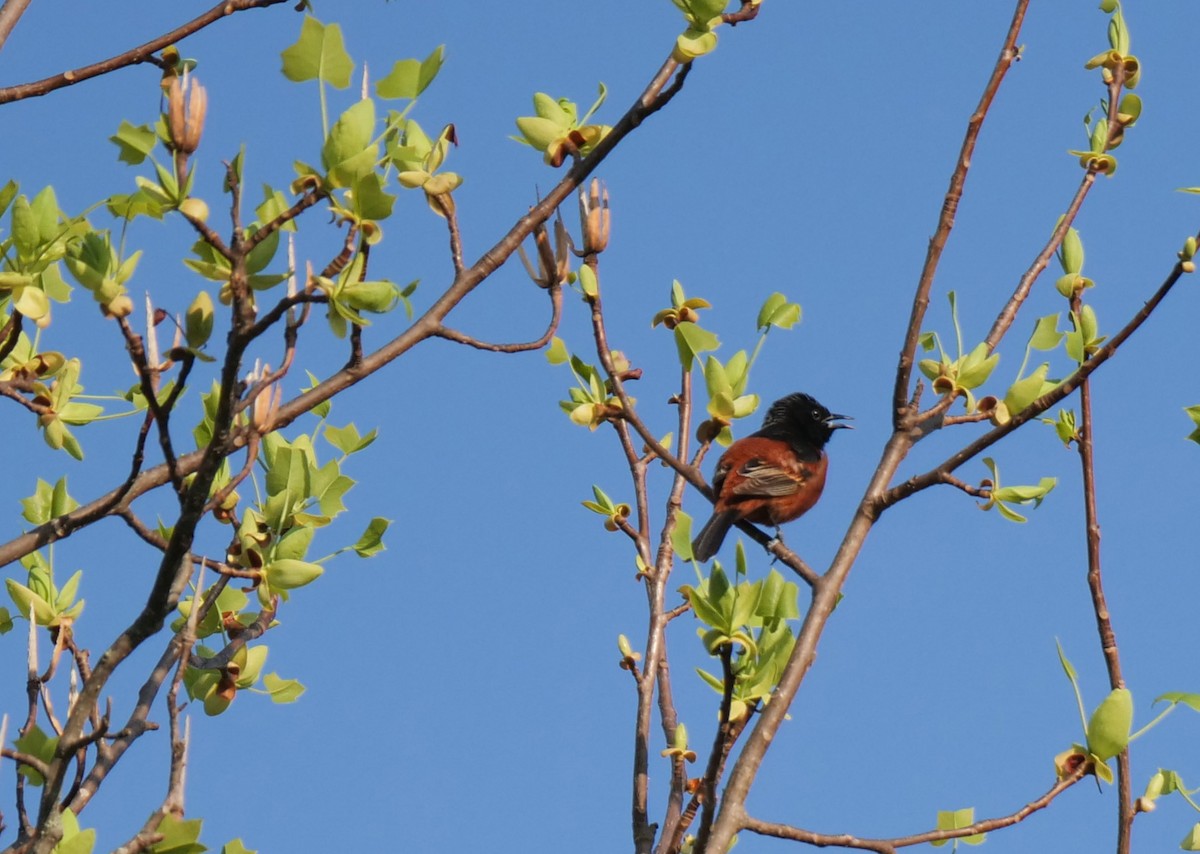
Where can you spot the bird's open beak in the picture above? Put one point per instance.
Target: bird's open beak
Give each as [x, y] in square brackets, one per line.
[830, 422]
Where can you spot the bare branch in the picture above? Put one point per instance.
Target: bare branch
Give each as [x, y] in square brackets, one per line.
[10, 13]
[134, 56]
[555, 292]
[1085, 441]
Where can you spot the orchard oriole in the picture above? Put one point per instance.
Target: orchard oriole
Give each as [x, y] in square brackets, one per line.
[772, 476]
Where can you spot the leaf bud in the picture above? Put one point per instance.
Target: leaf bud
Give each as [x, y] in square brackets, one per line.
[1155, 787]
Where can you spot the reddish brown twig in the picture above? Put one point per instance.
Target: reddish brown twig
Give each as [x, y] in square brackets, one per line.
[901, 405]
[889, 846]
[134, 56]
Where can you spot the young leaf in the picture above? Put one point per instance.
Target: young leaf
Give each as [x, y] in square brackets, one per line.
[692, 340]
[410, 77]
[319, 54]
[1108, 729]
[282, 690]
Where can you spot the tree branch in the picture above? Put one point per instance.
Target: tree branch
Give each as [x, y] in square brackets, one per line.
[889, 846]
[1108, 640]
[1058, 393]
[937, 243]
[10, 13]
[133, 56]
[537, 344]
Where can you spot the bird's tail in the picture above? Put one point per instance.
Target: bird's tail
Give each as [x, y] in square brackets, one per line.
[709, 540]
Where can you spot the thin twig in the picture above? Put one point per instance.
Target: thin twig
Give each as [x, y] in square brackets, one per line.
[10, 13]
[445, 205]
[537, 344]
[142, 53]
[1085, 442]
[889, 846]
[1008, 55]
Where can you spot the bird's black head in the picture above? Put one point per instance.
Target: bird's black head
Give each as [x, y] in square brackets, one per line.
[801, 420]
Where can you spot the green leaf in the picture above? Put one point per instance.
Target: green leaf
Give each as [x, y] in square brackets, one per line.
[1191, 842]
[236, 847]
[37, 507]
[1070, 253]
[1194, 413]
[777, 311]
[288, 574]
[30, 604]
[557, 354]
[74, 840]
[350, 153]
[178, 836]
[588, 283]
[1192, 701]
[539, 132]
[1026, 391]
[6, 621]
[1109, 727]
[282, 690]
[371, 541]
[681, 536]
[198, 321]
[294, 544]
[1045, 333]
[369, 200]
[705, 609]
[956, 820]
[976, 367]
[330, 489]
[24, 229]
[7, 193]
[290, 469]
[716, 378]
[134, 142]
[692, 340]
[779, 599]
[319, 54]
[1130, 109]
[694, 42]
[409, 77]
[35, 743]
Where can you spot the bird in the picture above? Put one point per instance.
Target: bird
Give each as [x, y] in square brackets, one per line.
[774, 475]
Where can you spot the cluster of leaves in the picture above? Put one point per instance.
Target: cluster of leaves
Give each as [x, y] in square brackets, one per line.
[1117, 66]
[557, 130]
[960, 376]
[270, 546]
[749, 616]
[38, 239]
[40, 599]
[700, 38]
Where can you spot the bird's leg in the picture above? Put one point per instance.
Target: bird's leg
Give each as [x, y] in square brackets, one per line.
[778, 539]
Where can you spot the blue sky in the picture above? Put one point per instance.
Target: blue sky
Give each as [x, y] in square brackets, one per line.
[462, 686]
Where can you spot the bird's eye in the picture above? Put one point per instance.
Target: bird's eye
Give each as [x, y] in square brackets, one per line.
[816, 414]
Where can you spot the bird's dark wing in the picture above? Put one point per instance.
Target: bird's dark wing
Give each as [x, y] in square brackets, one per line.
[762, 478]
